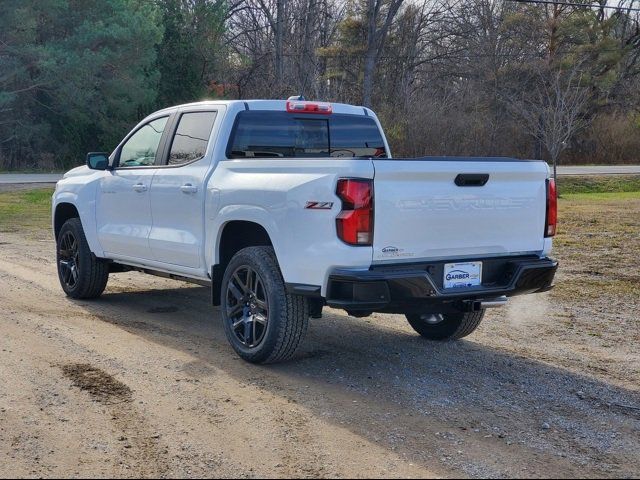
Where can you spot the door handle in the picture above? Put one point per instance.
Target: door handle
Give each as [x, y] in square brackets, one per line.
[140, 187]
[471, 179]
[188, 188]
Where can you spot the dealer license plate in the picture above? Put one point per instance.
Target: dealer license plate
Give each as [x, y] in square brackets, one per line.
[459, 275]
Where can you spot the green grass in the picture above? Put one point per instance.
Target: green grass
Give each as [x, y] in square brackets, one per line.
[25, 209]
[598, 184]
[599, 197]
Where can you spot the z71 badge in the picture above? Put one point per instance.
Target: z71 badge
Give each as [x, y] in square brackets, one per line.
[319, 205]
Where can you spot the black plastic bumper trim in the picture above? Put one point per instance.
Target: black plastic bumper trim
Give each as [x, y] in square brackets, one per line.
[303, 289]
[396, 286]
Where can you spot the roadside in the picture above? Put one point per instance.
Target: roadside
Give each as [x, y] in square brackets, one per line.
[598, 169]
[143, 383]
[22, 178]
[26, 178]
[596, 184]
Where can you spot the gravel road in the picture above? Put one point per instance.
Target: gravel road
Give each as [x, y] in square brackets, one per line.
[143, 383]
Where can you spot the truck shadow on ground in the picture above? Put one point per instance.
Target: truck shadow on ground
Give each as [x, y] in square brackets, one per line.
[424, 400]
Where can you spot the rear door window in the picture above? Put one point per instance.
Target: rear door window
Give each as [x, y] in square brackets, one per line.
[268, 134]
[191, 138]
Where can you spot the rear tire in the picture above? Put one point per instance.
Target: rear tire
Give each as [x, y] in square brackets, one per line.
[262, 321]
[445, 326]
[82, 275]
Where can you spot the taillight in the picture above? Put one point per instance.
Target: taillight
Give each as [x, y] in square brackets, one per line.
[308, 107]
[355, 221]
[552, 209]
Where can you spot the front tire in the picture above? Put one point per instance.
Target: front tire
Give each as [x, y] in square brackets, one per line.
[262, 321]
[81, 274]
[445, 326]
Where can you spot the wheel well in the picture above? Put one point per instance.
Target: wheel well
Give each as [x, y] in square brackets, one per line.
[235, 236]
[64, 211]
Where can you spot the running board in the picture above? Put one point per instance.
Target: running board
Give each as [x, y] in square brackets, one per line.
[171, 276]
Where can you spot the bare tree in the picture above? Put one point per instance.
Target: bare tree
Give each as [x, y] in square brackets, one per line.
[379, 17]
[277, 24]
[554, 112]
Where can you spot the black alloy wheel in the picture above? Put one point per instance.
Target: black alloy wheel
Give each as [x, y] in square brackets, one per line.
[68, 259]
[247, 306]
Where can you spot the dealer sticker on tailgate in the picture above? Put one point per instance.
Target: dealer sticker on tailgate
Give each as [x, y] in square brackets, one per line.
[467, 274]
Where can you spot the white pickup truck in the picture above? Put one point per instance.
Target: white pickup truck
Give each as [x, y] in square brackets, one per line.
[283, 207]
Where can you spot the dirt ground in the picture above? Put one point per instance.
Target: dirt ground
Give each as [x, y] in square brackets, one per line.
[143, 383]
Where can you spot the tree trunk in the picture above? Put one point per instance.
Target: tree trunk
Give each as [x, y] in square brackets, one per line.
[279, 34]
[371, 53]
[367, 82]
[376, 36]
[306, 71]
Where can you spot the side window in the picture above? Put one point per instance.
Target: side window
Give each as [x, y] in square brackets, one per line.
[356, 137]
[191, 138]
[140, 150]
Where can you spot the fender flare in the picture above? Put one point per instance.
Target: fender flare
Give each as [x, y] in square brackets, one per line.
[242, 213]
[86, 211]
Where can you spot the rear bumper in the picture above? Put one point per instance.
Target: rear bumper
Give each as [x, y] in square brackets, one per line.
[402, 288]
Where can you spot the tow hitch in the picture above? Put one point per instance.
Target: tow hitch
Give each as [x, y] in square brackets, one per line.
[476, 305]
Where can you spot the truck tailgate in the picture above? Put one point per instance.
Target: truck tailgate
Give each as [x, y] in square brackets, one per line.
[421, 212]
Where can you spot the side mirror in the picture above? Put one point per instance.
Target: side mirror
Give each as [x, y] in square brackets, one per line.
[98, 160]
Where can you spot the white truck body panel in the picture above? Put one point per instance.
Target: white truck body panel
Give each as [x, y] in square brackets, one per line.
[421, 214]
[178, 195]
[123, 213]
[273, 194]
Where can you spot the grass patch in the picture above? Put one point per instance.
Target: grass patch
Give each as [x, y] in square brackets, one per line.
[601, 196]
[587, 287]
[597, 244]
[25, 209]
[598, 184]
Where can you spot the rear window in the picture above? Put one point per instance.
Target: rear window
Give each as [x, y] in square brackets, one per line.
[268, 134]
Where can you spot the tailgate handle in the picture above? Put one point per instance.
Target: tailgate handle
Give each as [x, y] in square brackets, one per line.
[472, 179]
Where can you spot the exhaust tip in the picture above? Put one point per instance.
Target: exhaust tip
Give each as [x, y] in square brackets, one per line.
[493, 302]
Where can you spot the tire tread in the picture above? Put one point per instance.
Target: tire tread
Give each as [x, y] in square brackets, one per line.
[470, 321]
[294, 312]
[455, 326]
